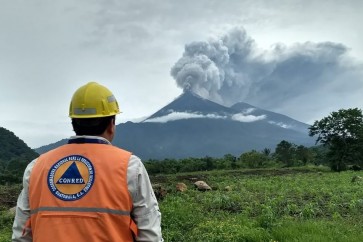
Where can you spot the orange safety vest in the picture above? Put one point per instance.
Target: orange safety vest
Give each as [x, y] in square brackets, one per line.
[78, 192]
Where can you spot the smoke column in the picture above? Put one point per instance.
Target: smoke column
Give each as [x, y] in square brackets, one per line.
[232, 69]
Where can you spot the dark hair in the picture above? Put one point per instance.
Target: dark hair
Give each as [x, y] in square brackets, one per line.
[91, 126]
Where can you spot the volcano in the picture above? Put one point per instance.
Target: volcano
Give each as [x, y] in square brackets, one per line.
[192, 126]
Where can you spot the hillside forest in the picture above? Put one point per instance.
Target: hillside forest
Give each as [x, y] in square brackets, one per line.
[14, 157]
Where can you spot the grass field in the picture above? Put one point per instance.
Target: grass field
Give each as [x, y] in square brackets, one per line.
[264, 205]
[300, 204]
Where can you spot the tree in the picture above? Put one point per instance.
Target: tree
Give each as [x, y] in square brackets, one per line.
[285, 152]
[253, 159]
[342, 133]
[266, 152]
[209, 163]
[231, 160]
[303, 154]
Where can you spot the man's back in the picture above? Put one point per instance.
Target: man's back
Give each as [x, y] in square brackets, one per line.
[85, 197]
[88, 190]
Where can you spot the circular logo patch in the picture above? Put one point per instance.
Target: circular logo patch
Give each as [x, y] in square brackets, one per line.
[71, 177]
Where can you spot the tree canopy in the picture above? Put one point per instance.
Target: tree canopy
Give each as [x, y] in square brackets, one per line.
[342, 132]
[14, 157]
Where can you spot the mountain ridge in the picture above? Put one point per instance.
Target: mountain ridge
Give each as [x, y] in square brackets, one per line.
[12, 146]
[191, 102]
[15, 155]
[192, 126]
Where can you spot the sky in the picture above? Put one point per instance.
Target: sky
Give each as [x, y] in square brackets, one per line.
[303, 59]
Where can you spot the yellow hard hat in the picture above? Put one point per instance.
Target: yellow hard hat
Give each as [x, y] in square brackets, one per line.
[93, 101]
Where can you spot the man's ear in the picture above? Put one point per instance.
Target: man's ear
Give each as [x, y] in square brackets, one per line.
[111, 128]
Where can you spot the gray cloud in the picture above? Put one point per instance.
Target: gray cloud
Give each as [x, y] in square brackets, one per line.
[49, 48]
[232, 69]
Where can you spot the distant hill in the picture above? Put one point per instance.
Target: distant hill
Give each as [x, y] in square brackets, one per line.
[191, 126]
[46, 148]
[14, 156]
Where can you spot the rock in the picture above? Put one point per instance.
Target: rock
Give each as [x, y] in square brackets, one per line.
[181, 187]
[155, 186]
[202, 186]
[12, 210]
[228, 188]
[159, 191]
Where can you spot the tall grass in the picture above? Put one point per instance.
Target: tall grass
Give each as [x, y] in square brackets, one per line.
[6, 222]
[306, 206]
[269, 205]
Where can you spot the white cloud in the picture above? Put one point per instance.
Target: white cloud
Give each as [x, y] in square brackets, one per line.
[182, 115]
[249, 110]
[134, 120]
[281, 124]
[241, 117]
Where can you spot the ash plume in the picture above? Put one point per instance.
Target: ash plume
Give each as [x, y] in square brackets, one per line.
[232, 69]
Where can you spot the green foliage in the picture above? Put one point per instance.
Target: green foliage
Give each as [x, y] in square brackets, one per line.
[318, 230]
[342, 132]
[6, 222]
[265, 205]
[253, 159]
[266, 152]
[289, 204]
[292, 155]
[236, 229]
[9, 195]
[287, 154]
[14, 157]
[11, 146]
[303, 154]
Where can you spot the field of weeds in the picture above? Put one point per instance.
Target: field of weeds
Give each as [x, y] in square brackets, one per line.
[264, 205]
[302, 204]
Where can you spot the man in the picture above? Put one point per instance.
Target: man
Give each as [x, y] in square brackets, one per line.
[88, 190]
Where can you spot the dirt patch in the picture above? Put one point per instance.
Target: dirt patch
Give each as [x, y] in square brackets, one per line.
[191, 178]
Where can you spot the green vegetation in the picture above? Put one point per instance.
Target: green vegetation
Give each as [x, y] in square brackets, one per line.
[14, 157]
[291, 204]
[8, 197]
[308, 203]
[286, 195]
[286, 155]
[342, 133]
[6, 223]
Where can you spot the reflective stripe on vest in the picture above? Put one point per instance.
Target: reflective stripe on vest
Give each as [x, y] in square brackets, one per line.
[77, 209]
